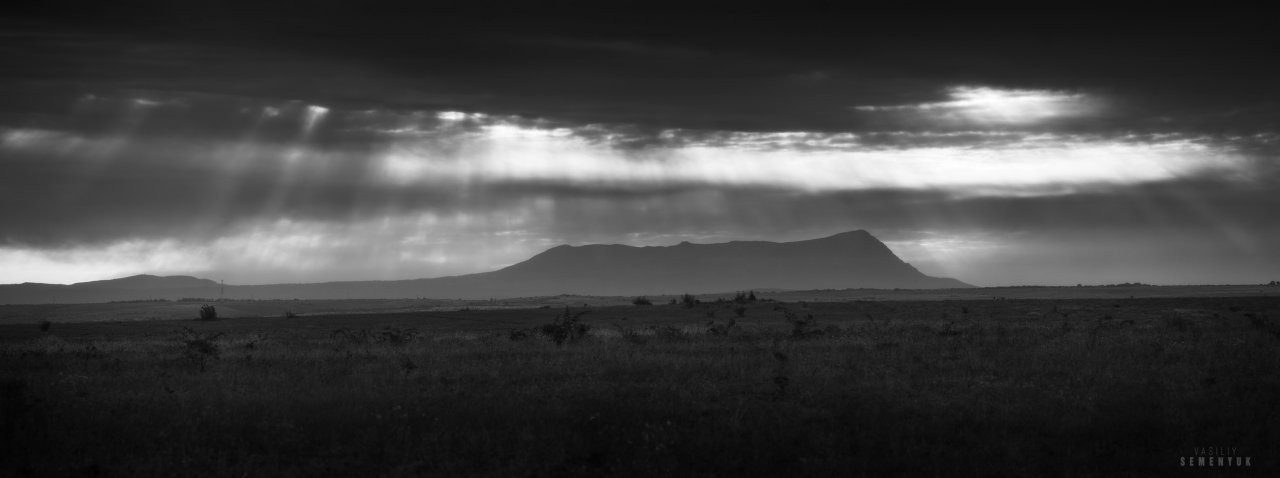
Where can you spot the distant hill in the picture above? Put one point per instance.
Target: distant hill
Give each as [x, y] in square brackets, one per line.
[139, 287]
[145, 281]
[847, 260]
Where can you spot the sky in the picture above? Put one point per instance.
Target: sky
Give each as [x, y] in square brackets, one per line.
[322, 141]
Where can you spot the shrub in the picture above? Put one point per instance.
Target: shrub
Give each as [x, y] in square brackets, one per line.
[208, 312]
[351, 336]
[780, 383]
[722, 329]
[741, 311]
[631, 335]
[199, 349]
[388, 335]
[667, 331]
[801, 327]
[1261, 322]
[642, 300]
[45, 325]
[396, 336]
[566, 327]
[290, 315]
[689, 300]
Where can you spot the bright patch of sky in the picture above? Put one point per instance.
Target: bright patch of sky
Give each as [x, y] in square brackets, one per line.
[424, 244]
[980, 105]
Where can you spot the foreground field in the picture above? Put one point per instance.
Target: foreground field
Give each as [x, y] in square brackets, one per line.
[976, 387]
[151, 310]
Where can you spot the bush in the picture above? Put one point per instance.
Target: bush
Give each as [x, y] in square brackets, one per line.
[689, 300]
[208, 312]
[45, 325]
[566, 327]
[721, 329]
[396, 336]
[199, 349]
[631, 335]
[801, 327]
[388, 335]
[642, 300]
[667, 331]
[1261, 322]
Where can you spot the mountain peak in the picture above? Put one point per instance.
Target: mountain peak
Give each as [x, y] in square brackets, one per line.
[149, 281]
[860, 234]
[853, 259]
[848, 260]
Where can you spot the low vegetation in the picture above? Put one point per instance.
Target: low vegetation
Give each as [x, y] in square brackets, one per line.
[208, 312]
[566, 327]
[689, 301]
[1009, 387]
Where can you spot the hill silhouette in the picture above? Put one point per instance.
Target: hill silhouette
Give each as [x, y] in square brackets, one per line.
[843, 261]
[847, 260]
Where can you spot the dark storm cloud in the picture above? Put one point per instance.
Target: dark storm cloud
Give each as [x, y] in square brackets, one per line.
[725, 69]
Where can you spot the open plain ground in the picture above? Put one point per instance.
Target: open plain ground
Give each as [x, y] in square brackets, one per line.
[986, 382]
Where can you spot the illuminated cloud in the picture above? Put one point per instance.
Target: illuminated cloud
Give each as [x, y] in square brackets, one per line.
[987, 106]
[423, 244]
[331, 164]
[436, 149]
[82, 264]
[984, 164]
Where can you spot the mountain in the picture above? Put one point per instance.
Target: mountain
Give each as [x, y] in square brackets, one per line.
[843, 261]
[846, 260]
[145, 281]
[139, 287]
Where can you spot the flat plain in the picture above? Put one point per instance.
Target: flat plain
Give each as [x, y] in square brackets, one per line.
[794, 384]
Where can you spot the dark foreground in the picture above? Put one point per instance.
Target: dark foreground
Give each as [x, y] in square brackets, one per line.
[981, 387]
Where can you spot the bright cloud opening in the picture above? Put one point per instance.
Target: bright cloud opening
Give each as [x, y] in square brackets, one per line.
[997, 106]
[405, 246]
[507, 153]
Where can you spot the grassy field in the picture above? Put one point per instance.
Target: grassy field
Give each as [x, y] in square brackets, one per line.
[1016, 387]
[174, 310]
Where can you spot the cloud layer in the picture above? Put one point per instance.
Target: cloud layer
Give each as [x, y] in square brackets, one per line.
[340, 145]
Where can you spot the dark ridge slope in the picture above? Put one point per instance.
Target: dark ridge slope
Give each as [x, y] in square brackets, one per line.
[843, 261]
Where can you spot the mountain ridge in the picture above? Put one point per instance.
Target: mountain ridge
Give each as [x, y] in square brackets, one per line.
[848, 260]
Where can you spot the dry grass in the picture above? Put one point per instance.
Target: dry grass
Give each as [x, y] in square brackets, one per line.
[1063, 388]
